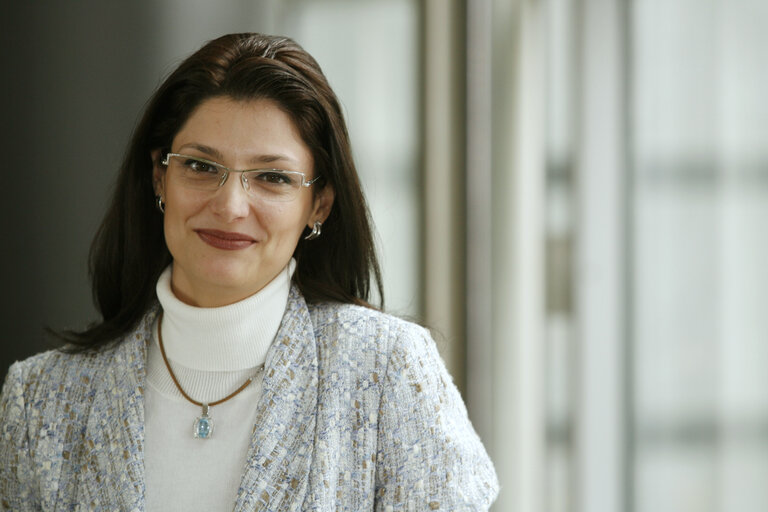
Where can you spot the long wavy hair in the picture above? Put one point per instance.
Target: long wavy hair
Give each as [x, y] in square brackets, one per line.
[129, 251]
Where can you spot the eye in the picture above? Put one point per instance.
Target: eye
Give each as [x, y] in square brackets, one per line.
[199, 166]
[275, 178]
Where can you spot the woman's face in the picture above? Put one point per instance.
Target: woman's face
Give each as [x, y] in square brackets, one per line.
[226, 244]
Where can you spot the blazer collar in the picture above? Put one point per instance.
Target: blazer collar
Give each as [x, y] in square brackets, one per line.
[113, 475]
[277, 466]
[276, 472]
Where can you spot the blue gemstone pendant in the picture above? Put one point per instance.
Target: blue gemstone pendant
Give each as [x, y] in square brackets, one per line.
[203, 427]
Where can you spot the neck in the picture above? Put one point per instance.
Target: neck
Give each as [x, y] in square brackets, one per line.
[227, 338]
[208, 295]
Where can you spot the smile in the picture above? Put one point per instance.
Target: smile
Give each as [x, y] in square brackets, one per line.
[225, 240]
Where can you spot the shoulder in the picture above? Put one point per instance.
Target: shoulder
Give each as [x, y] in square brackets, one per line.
[51, 381]
[367, 328]
[44, 392]
[55, 366]
[354, 314]
[60, 374]
[401, 354]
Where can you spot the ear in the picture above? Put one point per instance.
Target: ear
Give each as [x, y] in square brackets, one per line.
[158, 173]
[322, 205]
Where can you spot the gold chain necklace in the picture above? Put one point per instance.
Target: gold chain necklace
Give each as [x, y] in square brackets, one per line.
[203, 426]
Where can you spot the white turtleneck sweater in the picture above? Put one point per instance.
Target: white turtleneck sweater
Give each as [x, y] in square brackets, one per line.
[212, 352]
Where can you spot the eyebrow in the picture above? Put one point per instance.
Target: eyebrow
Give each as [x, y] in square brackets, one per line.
[215, 154]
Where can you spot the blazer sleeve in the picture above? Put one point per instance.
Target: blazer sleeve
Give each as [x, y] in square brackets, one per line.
[16, 488]
[428, 456]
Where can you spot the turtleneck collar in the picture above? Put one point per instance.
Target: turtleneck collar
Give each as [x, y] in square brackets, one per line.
[227, 338]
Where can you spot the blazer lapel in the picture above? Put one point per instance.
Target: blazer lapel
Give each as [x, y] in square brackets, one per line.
[280, 454]
[112, 475]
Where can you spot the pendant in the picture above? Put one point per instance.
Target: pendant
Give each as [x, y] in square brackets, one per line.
[203, 427]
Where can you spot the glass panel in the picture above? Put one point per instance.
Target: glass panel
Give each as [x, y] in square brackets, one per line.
[560, 352]
[700, 122]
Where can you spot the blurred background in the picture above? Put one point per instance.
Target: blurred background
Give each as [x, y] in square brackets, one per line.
[569, 193]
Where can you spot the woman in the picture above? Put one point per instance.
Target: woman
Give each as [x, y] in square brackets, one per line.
[238, 363]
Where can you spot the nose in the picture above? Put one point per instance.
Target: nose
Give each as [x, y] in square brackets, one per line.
[231, 201]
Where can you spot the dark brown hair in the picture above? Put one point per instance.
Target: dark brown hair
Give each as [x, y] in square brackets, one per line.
[129, 251]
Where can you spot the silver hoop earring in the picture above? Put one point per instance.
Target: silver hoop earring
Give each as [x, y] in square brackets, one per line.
[160, 203]
[316, 230]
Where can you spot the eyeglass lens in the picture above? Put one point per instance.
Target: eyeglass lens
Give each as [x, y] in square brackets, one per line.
[267, 184]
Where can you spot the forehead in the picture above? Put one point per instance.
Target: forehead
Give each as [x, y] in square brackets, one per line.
[243, 132]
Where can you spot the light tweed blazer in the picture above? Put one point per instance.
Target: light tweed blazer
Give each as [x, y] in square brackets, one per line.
[357, 413]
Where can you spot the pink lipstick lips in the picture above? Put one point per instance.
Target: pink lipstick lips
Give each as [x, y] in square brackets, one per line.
[226, 240]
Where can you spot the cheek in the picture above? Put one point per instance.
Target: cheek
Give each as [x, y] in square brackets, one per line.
[284, 218]
[173, 230]
[178, 210]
